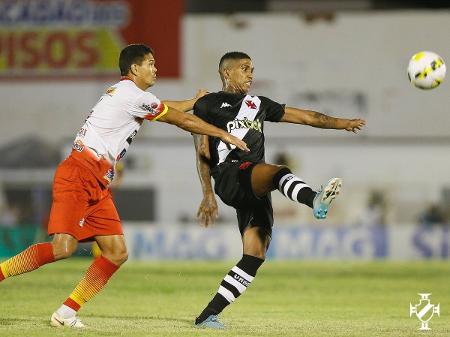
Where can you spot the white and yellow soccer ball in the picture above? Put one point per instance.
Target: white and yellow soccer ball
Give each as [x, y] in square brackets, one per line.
[426, 70]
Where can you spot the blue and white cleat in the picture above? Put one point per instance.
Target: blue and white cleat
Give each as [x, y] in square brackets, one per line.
[211, 322]
[325, 196]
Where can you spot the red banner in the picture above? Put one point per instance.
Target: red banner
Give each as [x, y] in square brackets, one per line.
[66, 39]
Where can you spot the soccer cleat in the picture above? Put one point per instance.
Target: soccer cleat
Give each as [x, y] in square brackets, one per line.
[211, 322]
[325, 196]
[72, 322]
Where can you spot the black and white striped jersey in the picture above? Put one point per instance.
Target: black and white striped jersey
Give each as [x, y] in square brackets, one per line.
[241, 115]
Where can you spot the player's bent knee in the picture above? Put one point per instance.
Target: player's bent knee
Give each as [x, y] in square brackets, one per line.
[256, 242]
[281, 167]
[259, 253]
[61, 251]
[123, 257]
[63, 245]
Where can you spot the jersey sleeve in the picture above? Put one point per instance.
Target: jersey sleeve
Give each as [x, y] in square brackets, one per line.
[200, 109]
[149, 107]
[275, 111]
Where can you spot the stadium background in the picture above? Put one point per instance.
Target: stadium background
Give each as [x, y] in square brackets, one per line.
[345, 58]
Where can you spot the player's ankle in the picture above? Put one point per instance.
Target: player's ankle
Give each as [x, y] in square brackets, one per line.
[205, 314]
[66, 312]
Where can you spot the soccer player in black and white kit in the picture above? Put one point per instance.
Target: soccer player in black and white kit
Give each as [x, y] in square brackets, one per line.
[244, 180]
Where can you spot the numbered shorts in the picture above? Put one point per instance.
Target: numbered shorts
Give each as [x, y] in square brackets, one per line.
[233, 186]
[82, 207]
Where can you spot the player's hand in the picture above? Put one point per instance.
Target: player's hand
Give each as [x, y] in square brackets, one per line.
[230, 139]
[201, 93]
[354, 125]
[208, 211]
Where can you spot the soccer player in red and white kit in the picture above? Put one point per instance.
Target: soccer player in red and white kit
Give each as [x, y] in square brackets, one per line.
[83, 209]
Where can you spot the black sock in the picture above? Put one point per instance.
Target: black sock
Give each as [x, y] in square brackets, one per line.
[293, 187]
[233, 285]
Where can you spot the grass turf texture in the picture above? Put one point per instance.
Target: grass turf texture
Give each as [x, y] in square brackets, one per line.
[286, 299]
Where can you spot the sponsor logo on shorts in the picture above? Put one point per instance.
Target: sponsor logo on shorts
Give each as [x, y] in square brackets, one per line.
[81, 223]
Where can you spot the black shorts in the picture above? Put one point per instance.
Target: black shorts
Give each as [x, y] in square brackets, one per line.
[232, 183]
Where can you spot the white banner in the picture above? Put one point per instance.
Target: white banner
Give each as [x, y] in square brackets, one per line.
[402, 242]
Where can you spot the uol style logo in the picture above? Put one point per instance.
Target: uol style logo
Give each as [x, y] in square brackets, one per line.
[424, 310]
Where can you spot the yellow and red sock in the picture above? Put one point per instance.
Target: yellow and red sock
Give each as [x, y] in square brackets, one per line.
[92, 283]
[30, 259]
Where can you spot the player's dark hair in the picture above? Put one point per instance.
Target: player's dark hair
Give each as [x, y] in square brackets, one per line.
[232, 55]
[132, 54]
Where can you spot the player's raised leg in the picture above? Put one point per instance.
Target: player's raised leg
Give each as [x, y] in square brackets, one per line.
[268, 177]
[35, 256]
[238, 279]
[114, 254]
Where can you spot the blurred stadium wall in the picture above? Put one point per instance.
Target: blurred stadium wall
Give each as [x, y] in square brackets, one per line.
[349, 63]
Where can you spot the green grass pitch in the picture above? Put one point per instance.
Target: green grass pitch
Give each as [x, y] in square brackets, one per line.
[286, 299]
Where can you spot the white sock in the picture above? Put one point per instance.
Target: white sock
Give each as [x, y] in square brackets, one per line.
[66, 312]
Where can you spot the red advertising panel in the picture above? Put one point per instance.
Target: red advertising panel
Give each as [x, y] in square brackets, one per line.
[64, 39]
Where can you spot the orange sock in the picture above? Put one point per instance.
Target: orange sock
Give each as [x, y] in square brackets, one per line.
[92, 283]
[30, 259]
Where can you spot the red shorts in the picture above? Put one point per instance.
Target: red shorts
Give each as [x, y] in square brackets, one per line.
[82, 207]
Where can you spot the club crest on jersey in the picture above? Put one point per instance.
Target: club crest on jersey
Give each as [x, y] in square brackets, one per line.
[250, 104]
[244, 124]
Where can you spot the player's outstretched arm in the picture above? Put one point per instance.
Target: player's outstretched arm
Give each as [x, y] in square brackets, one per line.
[188, 104]
[197, 125]
[319, 120]
[208, 210]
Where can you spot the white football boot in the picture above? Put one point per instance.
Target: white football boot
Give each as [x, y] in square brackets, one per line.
[72, 322]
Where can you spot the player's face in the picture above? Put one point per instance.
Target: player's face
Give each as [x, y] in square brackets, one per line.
[146, 71]
[240, 75]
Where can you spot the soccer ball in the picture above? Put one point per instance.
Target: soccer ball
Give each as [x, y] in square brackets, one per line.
[426, 70]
